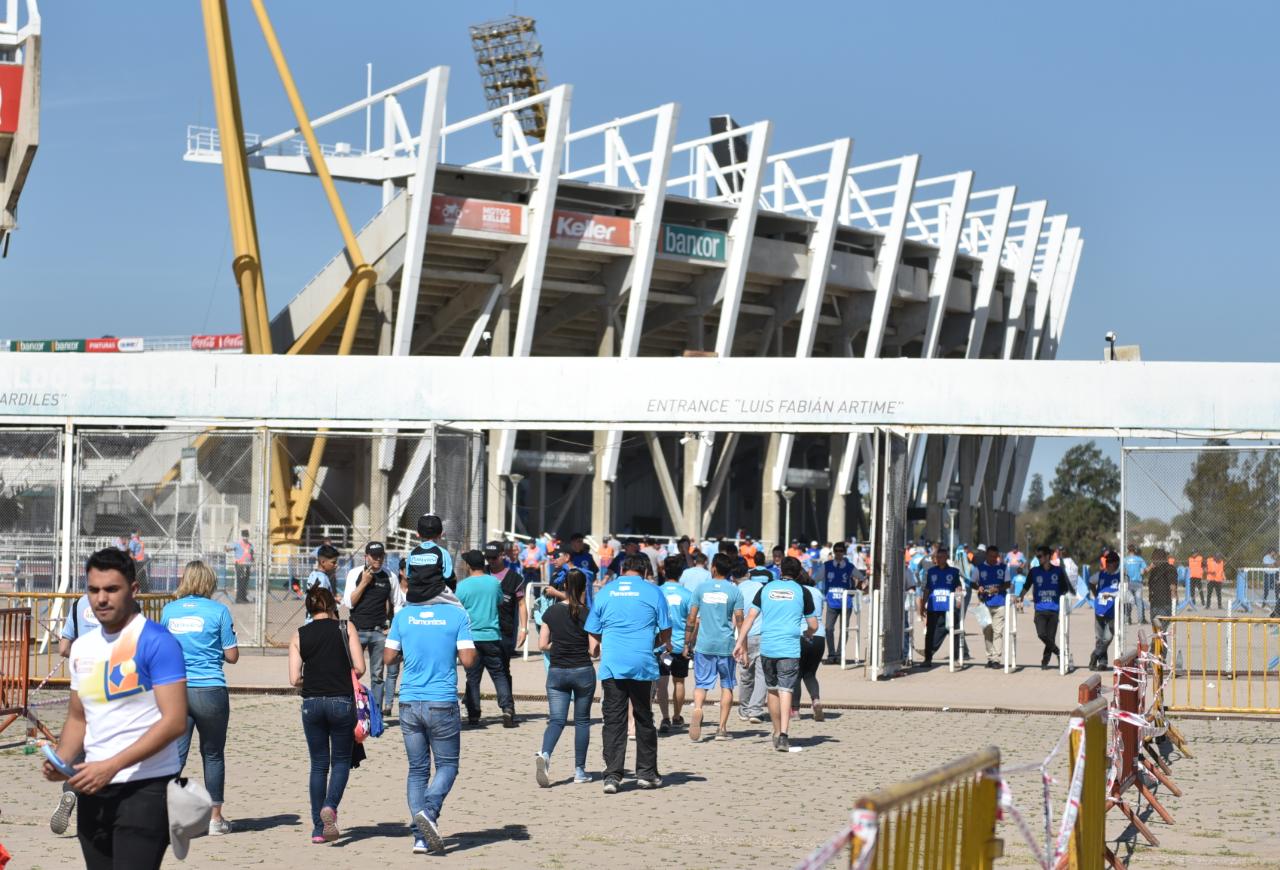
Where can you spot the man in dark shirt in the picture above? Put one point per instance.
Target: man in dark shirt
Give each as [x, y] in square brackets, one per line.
[1047, 584]
[941, 582]
[511, 609]
[371, 603]
[1162, 579]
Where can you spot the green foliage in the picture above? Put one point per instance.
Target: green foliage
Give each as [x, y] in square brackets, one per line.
[1233, 502]
[1082, 512]
[1035, 495]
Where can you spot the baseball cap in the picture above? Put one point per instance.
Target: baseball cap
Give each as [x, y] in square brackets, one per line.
[492, 550]
[429, 524]
[375, 548]
[190, 809]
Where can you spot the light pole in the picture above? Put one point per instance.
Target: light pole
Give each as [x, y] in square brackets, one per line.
[1111, 340]
[951, 514]
[515, 479]
[787, 495]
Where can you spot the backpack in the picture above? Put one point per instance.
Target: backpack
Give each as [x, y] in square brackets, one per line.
[368, 716]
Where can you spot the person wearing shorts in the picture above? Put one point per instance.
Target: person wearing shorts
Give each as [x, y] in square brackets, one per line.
[786, 612]
[714, 613]
[678, 600]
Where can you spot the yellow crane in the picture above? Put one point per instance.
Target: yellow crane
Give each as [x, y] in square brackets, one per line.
[289, 507]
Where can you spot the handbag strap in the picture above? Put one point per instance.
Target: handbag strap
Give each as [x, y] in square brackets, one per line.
[346, 643]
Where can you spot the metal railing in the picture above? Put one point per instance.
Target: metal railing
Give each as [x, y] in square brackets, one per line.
[1220, 664]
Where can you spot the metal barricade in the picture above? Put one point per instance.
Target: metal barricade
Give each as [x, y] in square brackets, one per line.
[531, 593]
[850, 597]
[1010, 652]
[943, 818]
[1129, 725]
[15, 663]
[1087, 849]
[1064, 635]
[50, 611]
[1220, 665]
[955, 640]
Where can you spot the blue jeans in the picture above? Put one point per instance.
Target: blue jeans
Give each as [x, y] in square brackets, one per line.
[208, 710]
[491, 657]
[431, 729]
[564, 684]
[374, 642]
[329, 724]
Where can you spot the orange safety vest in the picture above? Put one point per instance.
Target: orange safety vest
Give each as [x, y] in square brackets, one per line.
[141, 555]
[606, 554]
[244, 552]
[748, 552]
[1216, 571]
[1195, 567]
[794, 553]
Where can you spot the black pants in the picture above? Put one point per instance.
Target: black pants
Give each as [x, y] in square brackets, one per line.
[618, 695]
[1197, 592]
[1212, 589]
[242, 582]
[811, 650]
[935, 632]
[491, 656]
[124, 826]
[1047, 631]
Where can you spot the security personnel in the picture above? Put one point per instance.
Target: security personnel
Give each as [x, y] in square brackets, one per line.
[991, 579]
[935, 605]
[1195, 572]
[430, 567]
[1047, 584]
[243, 552]
[1105, 588]
[835, 577]
[1215, 573]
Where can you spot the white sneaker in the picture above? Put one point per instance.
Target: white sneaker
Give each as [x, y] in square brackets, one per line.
[428, 831]
[540, 762]
[218, 827]
[62, 815]
[420, 846]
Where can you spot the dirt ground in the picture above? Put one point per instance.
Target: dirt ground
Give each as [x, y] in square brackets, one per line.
[723, 804]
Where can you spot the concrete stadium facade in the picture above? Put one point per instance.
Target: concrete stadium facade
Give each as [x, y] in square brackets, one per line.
[621, 239]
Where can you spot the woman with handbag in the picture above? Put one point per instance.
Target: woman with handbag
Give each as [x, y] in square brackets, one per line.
[322, 657]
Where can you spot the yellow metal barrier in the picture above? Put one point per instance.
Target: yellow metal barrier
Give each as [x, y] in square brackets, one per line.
[1219, 664]
[945, 818]
[49, 613]
[1087, 849]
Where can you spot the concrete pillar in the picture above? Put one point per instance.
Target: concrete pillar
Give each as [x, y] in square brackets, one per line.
[497, 507]
[968, 465]
[837, 527]
[692, 495]
[935, 491]
[770, 499]
[601, 494]
[380, 465]
[363, 451]
[538, 490]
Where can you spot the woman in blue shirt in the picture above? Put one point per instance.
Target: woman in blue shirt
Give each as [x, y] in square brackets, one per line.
[204, 630]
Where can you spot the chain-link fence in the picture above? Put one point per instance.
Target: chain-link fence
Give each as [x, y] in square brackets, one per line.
[1213, 513]
[30, 505]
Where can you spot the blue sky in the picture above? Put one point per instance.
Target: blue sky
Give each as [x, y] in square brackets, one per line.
[1152, 124]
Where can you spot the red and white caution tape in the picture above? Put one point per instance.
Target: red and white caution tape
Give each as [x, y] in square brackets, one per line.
[864, 825]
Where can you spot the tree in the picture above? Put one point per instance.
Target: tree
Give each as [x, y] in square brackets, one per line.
[1231, 505]
[1082, 513]
[1035, 495]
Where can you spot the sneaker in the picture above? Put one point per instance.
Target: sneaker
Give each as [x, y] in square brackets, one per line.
[755, 720]
[655, 782]
[420, 846]
[743, 716]
[386, 714]
[218, 827]
[329, 821]
[818, 715]
[722, 735]
[782, 743]
[695, 728]
[677, 721]
[473, 721]
[62, 815]
[428, 831]
[540, 762]
[318, 840]
[611, 786]
[664, 727]
[508, 718]
[580, 775]
[993, 664]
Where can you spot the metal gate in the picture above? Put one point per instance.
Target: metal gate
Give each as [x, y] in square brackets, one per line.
[889, 480]
[31, 495]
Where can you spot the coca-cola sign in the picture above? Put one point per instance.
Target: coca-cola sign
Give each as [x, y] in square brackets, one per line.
[598, 229]
[217, 342]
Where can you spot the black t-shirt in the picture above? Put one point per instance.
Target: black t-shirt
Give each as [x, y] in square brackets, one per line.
[371, 610]
[512, 582]
[1161, 581]
[326, 669]
[568, 637]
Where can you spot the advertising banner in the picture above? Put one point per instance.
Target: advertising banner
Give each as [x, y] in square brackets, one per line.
[10, 96]
[68, 345]
[597, 229]
[101, 345]
[693, 242]
[476, 214]
[32, 346]
[129, 345]
[217, 342]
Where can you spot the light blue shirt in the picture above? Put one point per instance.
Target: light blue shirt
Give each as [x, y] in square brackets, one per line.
[678, 601]
[782, 606]
[318, 578]
[81, 619]
[694, 577]
[627, 615]
[1134, 565]
[749, 588]
[717, 601]
[429, 637]
[816, 596]
[480, 595]
[204, 630]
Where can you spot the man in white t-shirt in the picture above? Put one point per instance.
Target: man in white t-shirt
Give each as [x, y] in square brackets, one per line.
[127, 709]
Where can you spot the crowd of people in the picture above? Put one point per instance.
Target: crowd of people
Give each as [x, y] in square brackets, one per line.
[633, 619]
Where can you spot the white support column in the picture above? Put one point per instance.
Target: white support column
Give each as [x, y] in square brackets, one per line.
[821, 243]
[885, 279]
[533, 262]
[1022, 275]
[421, 188]
[648, 223]
[742, 231]
[1048, 282]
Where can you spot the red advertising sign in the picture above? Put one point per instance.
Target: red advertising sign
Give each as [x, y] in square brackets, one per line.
[10, 96]
[597, 229]
[476, 214]
[217, 342]
[101, 345]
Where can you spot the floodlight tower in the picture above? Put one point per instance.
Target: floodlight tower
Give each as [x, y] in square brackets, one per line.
[509, 57]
